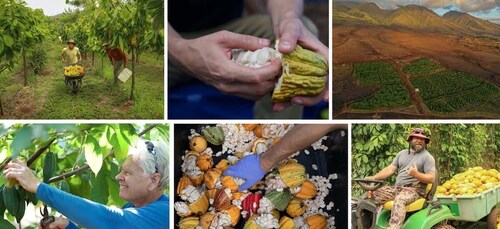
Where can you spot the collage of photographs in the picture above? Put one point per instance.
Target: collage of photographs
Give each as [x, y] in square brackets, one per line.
[306, 114]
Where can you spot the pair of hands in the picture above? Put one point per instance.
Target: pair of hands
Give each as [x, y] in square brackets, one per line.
[22, 173]
[209, 59]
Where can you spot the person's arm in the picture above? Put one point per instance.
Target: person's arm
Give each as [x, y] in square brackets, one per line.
[208, 58]
[422, 177]
[286, 17]
[384, 173]
[253, 167]
[94, 215]
[78, 55]
[298, 138]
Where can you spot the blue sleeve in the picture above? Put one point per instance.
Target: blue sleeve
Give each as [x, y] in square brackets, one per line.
[94, 215]
[71, 225]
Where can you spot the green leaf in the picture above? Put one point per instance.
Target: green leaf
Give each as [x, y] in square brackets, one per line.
[22, 140]
[92, 155]
[121, 154]
[99, 191]
[8, 41]
[4, 224]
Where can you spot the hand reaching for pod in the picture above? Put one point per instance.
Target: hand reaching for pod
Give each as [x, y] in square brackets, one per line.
[247, 168]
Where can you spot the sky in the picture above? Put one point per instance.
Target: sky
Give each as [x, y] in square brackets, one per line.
[50, 7]
[484, 9]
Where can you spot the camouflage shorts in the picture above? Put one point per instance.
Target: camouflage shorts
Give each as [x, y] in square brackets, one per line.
[402, 196]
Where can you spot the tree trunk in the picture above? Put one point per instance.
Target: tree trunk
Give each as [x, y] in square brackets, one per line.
[1, 108]
[93, 57]
[25, 68]
[133, 75]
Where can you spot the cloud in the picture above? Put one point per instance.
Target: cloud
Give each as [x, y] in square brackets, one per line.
[463, 5]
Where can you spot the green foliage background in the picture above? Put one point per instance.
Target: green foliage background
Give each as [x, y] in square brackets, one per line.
[455, 147]
[103, 147]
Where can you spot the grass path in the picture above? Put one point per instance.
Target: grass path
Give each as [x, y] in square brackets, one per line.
[47, 97]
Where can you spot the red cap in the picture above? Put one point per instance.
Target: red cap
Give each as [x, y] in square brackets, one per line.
[417, 132]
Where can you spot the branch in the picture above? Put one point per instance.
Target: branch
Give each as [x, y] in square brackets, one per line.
[39, 152]
[5, 163]
[85, 167]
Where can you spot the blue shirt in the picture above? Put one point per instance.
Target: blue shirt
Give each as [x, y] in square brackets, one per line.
[94, 215]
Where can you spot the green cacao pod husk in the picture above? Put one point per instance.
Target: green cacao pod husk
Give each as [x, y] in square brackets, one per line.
[214, 135]
[2, 205]
[49, 166]
[279, 199]
[11, 200]
[304, 74]
[31, 197]
[22, 205]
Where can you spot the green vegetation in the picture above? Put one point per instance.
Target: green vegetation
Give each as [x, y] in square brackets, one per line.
[103, 147]
[421, 67]
[450, 91]
[454, 147]
[391, 93]
[134, 26]
[375, 73]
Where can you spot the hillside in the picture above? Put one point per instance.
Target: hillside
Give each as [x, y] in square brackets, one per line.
[413, 17]
[472, 22]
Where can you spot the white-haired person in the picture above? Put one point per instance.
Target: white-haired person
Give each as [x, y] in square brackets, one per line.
[143, 178]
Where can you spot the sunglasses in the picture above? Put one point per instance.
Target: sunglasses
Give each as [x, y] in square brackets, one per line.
[151, 149]
[418, 131]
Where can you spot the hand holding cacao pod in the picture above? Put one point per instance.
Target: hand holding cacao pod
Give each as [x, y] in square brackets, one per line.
[19, 170]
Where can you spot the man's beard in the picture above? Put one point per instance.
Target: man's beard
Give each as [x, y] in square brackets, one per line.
[417, 148]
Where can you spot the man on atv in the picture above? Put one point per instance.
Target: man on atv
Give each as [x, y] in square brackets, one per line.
[416, 168]
[71, 54]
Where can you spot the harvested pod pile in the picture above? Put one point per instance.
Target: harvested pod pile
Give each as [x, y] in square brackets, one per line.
[287, 197]
[473, 181]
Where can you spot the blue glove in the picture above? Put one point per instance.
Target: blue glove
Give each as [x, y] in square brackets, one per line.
[247, 168]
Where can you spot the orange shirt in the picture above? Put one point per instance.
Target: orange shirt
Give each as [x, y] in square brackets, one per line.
[116, 54]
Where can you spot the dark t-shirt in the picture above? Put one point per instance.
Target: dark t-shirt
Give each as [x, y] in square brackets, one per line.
[196, 15]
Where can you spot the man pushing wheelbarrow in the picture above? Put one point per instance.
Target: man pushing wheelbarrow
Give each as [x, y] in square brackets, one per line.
[73, 71]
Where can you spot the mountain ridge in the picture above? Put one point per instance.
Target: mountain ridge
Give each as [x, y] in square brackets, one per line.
[413, 17]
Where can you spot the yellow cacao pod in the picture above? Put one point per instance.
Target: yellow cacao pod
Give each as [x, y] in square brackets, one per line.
[197, 181]
[228, 182]
[296, 207]
[307, 190]
[211, 177]
[293, 174]
[204, 162]
[184, 181]
[206, 219]
[286, 222]
[304, 74]
[189, 222]
[198, 144]
[223, 165]
[316, 221]
[200, 206]
[234, 214]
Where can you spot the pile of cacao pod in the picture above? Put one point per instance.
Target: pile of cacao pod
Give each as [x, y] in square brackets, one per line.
[209, 199]
[74, 71]
[473, 181]
[304, 72]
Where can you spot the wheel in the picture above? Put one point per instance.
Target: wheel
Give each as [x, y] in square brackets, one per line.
[74, 86]
[492, 218]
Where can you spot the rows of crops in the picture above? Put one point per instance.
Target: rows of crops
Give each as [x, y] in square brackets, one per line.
[421, 67]
[375, 73]
[391, 93]
[450, 91]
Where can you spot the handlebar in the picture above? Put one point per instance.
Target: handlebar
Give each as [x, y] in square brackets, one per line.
[368, 184]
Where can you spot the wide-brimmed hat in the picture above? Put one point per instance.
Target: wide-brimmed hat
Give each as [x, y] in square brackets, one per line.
[418, 132]
[71, 41]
